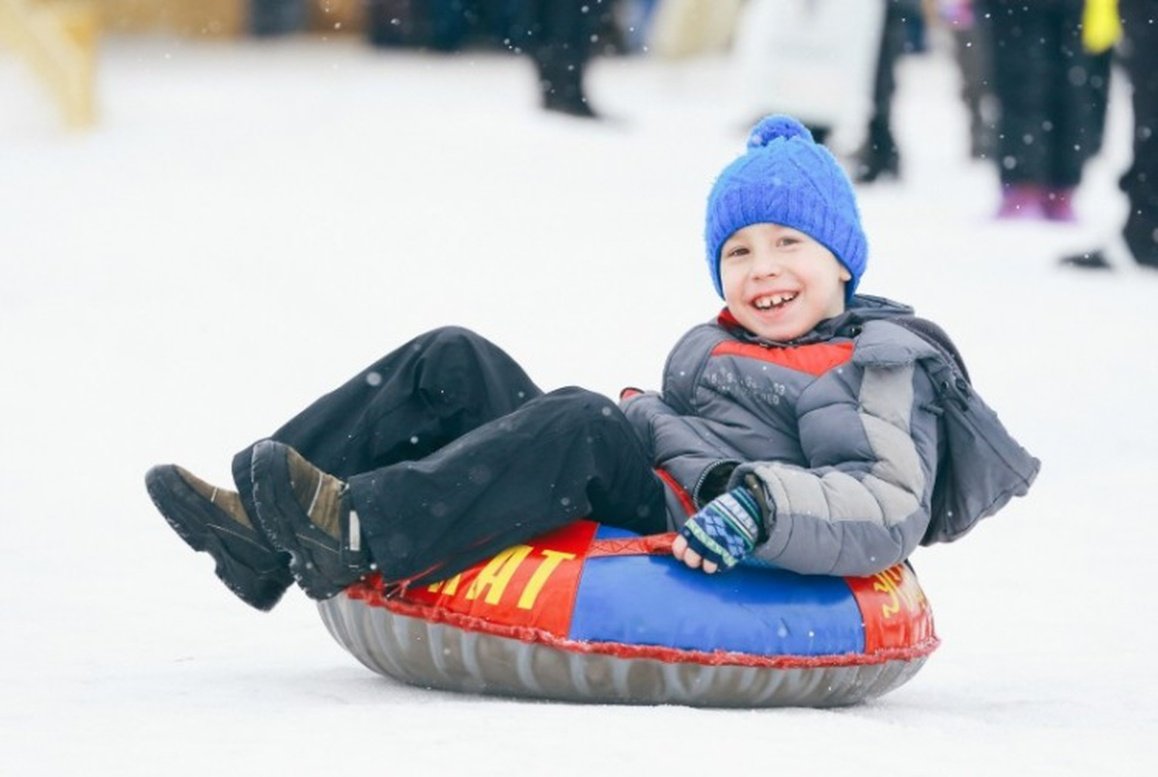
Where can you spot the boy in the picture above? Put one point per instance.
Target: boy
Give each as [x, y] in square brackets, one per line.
[803, 428]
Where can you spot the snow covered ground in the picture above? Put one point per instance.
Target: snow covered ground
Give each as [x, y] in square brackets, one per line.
[249, 224]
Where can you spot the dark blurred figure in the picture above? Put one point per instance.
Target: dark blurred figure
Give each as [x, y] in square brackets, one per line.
[916, 33]
[973, 50]
[1139, 51]
[441, 25]
[1052, 95]
[277, 17]
[879, 156]
[559, 36]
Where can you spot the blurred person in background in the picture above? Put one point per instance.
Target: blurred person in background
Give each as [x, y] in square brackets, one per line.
[1052, 97]
[814, 59]
[1137, 244]
[558, 35]
[879, 156]
[973, 50]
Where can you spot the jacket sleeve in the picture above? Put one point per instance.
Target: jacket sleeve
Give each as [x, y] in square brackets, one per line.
[680, 446]
[869, 434]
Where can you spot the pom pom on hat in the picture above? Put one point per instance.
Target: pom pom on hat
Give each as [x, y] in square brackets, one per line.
[785, 178]
[772, 127]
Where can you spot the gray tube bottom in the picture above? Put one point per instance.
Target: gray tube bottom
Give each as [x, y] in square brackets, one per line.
[436, 655]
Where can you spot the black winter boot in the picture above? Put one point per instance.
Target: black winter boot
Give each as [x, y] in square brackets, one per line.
[561, 83]
[213, 520]
[306, 512]
[877, 160]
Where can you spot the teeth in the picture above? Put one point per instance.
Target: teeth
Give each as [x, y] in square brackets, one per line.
[775, 300]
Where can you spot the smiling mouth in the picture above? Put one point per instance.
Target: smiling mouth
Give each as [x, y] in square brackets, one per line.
[774, 301]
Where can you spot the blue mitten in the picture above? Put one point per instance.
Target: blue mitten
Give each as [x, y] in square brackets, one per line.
[726, 529]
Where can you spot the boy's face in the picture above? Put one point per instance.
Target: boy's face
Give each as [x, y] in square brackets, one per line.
[778, 282]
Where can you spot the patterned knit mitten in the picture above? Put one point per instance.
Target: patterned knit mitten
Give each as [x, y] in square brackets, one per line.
[726, 529]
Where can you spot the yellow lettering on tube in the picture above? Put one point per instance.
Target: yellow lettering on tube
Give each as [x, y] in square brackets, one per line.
[551, 560]
[498, 572]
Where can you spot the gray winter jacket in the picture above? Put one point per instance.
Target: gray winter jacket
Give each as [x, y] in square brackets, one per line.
[842, 430]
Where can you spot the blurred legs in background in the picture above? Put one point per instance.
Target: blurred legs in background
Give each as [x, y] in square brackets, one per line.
[879, 156]
[557, 34]
[1141, 181]
[1139, 239]
[1052, 100]
[973, 50]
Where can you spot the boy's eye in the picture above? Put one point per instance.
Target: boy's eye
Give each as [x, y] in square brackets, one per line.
[736, 251]
[788, 240]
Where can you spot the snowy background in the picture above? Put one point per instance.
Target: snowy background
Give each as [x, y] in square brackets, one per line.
[250, 224]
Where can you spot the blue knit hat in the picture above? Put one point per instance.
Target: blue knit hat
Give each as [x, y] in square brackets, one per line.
[786, 178]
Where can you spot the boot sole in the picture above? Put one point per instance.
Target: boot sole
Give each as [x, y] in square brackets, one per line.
[282, 519]
[204, 528]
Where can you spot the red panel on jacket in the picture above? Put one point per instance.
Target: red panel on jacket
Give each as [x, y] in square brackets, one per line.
[815, 359]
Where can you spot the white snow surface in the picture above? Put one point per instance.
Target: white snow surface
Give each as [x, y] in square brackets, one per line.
[252, 223]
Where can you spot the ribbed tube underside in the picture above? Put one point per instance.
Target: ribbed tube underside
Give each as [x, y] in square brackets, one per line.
[437, 655]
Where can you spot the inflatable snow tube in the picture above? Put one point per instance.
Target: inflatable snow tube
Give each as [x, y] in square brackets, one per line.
[596, 614]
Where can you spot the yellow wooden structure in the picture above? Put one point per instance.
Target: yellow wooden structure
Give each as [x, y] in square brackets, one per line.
[218, 18]
[58, 39]
[213, 18]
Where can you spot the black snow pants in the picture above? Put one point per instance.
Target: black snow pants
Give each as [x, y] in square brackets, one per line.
[452, 454]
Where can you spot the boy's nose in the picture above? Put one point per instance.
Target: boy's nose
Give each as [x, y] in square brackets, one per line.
[765, 264]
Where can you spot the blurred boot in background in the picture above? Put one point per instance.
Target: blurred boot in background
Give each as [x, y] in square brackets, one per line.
[1021, 201]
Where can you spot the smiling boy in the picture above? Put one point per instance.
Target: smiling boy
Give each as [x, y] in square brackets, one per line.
[802, 428]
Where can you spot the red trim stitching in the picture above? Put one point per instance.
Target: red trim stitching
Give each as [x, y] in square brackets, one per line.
[648, 545]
